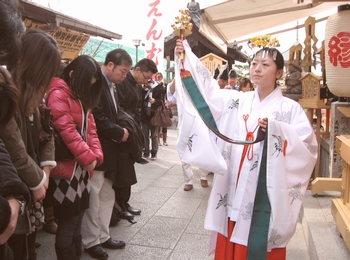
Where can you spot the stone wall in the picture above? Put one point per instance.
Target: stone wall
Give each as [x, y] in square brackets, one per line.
[340, 125]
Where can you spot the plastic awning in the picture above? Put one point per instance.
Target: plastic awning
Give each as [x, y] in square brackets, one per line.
[226, 22]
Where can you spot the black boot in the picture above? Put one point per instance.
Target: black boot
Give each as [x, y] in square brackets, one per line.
[115, 218]
[78, 246]
[153, 155]
[67, 253]
[31, 254]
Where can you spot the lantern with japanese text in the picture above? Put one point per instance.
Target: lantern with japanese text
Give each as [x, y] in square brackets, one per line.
[337, 52]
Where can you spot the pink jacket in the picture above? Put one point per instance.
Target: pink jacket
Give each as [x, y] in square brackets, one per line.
[67, 111]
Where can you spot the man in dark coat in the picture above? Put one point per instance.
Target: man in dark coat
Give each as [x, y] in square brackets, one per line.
[95, 224]
[130, 100]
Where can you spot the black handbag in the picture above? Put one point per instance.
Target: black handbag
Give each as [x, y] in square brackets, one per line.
[62, 153]
[46, 130]
[161, 117]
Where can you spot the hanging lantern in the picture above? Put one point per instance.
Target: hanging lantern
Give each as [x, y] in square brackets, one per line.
[337, 52]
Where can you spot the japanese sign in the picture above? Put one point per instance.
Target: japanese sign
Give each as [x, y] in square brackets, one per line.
[70, 43]
[154, 35]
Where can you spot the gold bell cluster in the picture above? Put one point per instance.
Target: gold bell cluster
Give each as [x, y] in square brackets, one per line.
[183, 25]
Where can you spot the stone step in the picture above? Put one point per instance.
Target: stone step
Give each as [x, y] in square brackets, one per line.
[322, 236]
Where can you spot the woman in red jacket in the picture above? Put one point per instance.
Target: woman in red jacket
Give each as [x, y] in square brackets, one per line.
[71, 99]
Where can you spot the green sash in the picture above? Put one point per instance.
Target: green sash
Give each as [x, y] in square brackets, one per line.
[206, 115]
[259, 229]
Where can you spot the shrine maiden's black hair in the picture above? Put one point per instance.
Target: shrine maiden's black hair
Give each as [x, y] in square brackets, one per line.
[272, 53]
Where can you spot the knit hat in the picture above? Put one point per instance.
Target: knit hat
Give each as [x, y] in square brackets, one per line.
[233, 74]
[216, 72]
[223, 73]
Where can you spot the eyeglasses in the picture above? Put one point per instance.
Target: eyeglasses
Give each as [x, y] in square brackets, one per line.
[148, 79]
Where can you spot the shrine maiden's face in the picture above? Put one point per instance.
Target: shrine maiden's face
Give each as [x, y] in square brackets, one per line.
[263, 72]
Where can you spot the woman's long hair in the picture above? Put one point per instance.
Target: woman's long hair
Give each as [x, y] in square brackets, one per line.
[38, 63]
[78, 75]
[11, 28]
[9, 96]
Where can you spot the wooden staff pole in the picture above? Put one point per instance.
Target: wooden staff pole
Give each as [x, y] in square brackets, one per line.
[182, 37]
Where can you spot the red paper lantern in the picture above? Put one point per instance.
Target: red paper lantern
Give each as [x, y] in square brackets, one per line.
[337, 48]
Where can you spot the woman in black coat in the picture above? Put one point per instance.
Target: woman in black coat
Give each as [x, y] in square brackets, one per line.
[14, 195]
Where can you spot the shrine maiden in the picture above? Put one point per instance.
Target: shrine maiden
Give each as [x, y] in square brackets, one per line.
[291, 154]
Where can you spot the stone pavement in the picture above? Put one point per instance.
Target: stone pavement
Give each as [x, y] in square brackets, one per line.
[171, 223]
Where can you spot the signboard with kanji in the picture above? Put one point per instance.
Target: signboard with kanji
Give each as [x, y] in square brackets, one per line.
[70, 43]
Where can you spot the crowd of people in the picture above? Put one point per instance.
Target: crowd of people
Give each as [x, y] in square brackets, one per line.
[70, 135]
[229, 79]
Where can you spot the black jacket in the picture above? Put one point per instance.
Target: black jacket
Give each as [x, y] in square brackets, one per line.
[119, 158]
[129, 96]
[136, 138]
[109, 131]
[10, 185]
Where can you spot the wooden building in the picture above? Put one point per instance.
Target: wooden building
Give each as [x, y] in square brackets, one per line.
[71, 34]
[202, 46]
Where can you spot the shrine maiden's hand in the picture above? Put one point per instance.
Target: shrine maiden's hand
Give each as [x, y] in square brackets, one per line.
[179, 47]
[263, 124]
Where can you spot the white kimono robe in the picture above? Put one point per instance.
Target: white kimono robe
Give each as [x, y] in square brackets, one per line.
[292, 153]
